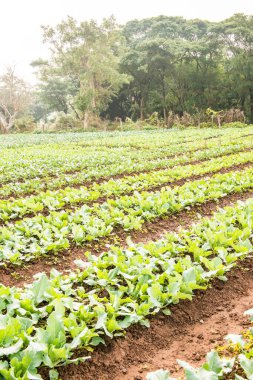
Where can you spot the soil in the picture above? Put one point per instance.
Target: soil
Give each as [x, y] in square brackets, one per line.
[193, 329]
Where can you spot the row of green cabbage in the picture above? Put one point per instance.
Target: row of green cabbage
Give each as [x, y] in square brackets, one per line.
[23, 166]
[98, 138]
[43, 235]
[131, 139]
[160, 138]
[58, 199]
[35, 185]
[46, 323]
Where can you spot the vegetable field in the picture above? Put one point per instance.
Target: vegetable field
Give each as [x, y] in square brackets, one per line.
[121, 252]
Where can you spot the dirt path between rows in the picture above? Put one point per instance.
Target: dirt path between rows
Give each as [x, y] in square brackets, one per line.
[188, 334]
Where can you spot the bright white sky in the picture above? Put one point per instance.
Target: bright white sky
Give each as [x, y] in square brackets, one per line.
[20, 20]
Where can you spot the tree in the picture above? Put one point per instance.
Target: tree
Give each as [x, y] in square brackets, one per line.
[160, 64]
[55, 92]
[150, 59]
[15, 97]
[88, 55]
[174, 63]
[237, 34]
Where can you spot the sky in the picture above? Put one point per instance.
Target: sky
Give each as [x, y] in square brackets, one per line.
[21, 20]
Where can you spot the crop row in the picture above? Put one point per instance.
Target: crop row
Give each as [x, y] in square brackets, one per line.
[55, 200]
[236, 362]
[13, 168]
[159, 137]
[36, 185]
[41, 235]
[46, 322]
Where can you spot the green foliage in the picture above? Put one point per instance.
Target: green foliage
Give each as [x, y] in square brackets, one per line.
[62, 318]
[67, 122]
[208, 124]
[159, 66]
[24, 124]
[52, 317]
[187, 65]
[83, 73]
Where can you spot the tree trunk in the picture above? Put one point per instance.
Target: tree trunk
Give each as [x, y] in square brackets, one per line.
[8, 122]
[164, 114]
[251, 104]
[6, 127]
[164, 99]
[75, 111]
[4, 130]
[142, 109]
[92, 86]
[86, 121]
[219, 120]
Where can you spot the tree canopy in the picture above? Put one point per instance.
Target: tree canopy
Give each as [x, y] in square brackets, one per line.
[160, 64]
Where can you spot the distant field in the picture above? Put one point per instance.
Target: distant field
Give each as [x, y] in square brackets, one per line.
[118, 227]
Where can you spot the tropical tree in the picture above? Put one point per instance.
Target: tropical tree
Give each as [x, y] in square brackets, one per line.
[87, 56]
[237, 34]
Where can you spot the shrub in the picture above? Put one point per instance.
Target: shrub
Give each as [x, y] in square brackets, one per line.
[25, 124]
[67, 122]
[208, 124]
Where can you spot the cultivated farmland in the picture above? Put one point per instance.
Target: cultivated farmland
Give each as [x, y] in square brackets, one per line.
[123, 251]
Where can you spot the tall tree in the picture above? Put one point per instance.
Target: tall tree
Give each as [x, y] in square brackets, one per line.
[174, 64]
[88, 55]
[237, 33]
[15, 97]
[150, 59]
[160, 64]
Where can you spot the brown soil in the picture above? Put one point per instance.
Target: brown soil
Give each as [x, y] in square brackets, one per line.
[188, 334]
[64, 261]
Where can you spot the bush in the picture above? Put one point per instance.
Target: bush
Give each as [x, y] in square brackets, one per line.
[25, 124]
[154, 120]
[208, 124]
[66, 123]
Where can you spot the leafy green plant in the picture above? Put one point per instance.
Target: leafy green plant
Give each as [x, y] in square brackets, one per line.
[45, 322]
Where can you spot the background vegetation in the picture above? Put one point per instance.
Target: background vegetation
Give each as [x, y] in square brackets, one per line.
[163, 70]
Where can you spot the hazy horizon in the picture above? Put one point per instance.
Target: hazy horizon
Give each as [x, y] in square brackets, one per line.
[20, 22]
